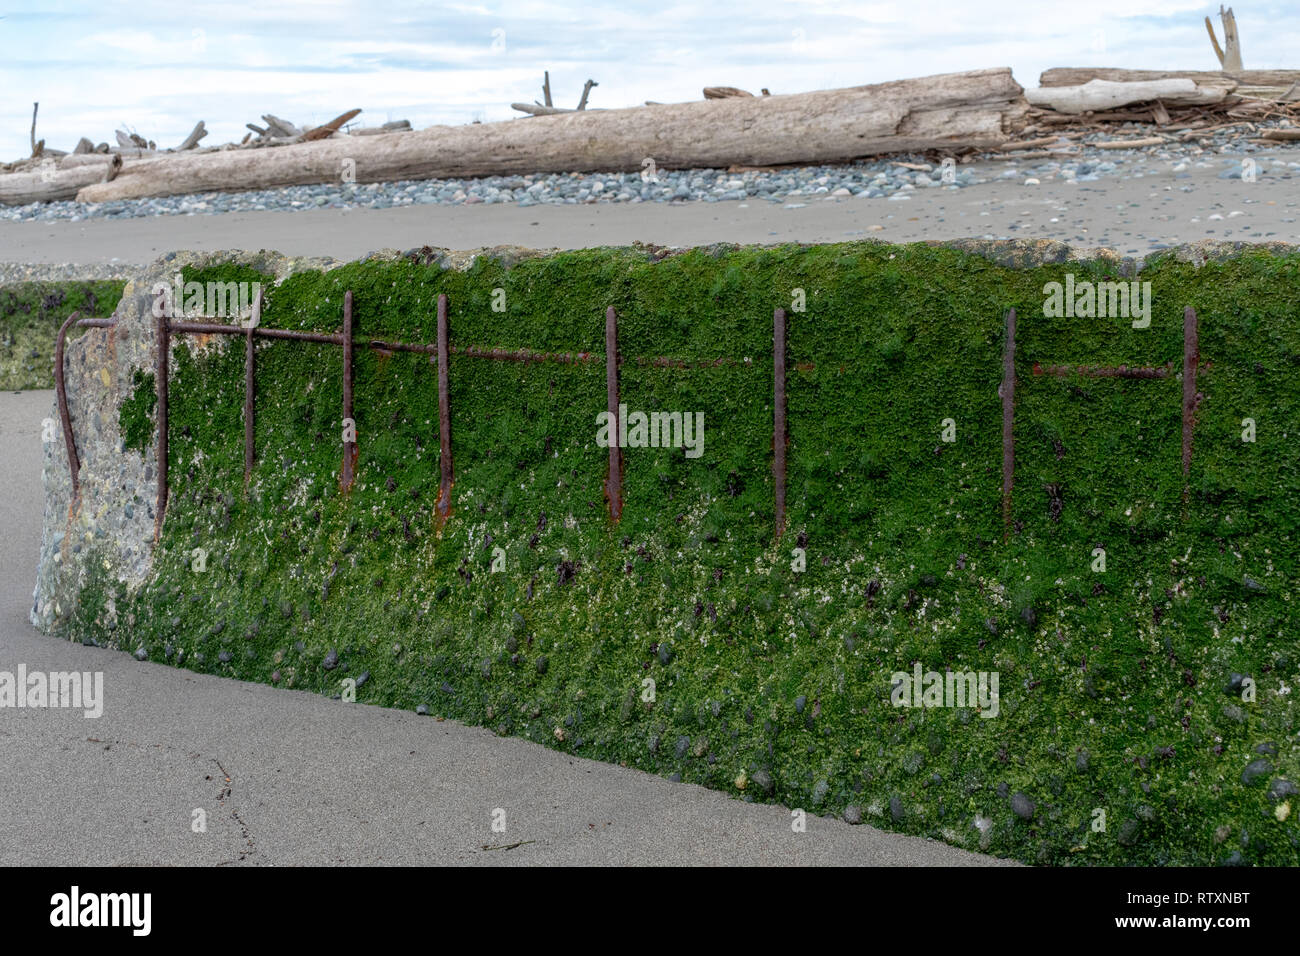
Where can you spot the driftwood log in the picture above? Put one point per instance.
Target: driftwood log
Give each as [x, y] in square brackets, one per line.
[1098, 94]
[280, 127]
[1229, 58]
[1243, 82]
[722, 92]
[99, 160]
[326, 130]
[535, 109]
[192, 140]
[980, 108]
[52, 183]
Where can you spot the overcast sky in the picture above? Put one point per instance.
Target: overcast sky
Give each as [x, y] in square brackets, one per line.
[157, 66]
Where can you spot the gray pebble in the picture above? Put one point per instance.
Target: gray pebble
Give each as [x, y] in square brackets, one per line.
[1256, 769]
[1129, 832]
[1022, 806]
[1282, 788]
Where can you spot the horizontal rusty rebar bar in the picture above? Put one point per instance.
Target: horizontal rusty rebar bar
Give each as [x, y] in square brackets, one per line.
[468, 351]
[210, 328]
[663, 361]
[526, 355]
[1105, 371]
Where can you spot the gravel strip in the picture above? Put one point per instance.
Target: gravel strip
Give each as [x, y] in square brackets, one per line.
[14, 272]
[884, 179]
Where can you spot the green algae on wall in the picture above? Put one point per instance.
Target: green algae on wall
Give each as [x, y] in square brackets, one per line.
[136, 415]
[681, 640]
[30, 316]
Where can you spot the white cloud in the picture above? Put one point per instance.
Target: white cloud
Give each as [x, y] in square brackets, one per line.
[95, 67]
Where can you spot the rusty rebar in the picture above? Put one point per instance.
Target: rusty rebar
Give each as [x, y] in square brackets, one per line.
[60, 390]
[210, 328]
[161, 371]
[349, 447]
[779, 434]
[1104, 371]
[1008, 393]
[663, 361]
[469, 351]
[249, 350]
[613, 484]
[444, 413]
[525, 355]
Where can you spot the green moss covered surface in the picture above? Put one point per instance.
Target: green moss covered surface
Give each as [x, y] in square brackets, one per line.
[772, 684]
[30, 316]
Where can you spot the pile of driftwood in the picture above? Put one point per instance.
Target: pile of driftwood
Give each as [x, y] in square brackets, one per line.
[1163, 97]
[1120, 109]
[1189, 102]
[51, 174]
[962, 115]
[975, 109]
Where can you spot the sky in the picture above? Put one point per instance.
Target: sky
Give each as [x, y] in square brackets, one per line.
[157, 67]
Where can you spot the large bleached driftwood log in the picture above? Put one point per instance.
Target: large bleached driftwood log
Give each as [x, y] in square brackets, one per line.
[1238, 82]
[980, 108]
[1107, 94]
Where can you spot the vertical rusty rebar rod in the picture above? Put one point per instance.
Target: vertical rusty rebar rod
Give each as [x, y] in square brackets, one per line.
[779, 435]
[614, 484]
[1191, 358]
[349, 447]
[161, 371]
[253, 323]
[1008, 393]
[65, 420]
[444, 413]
